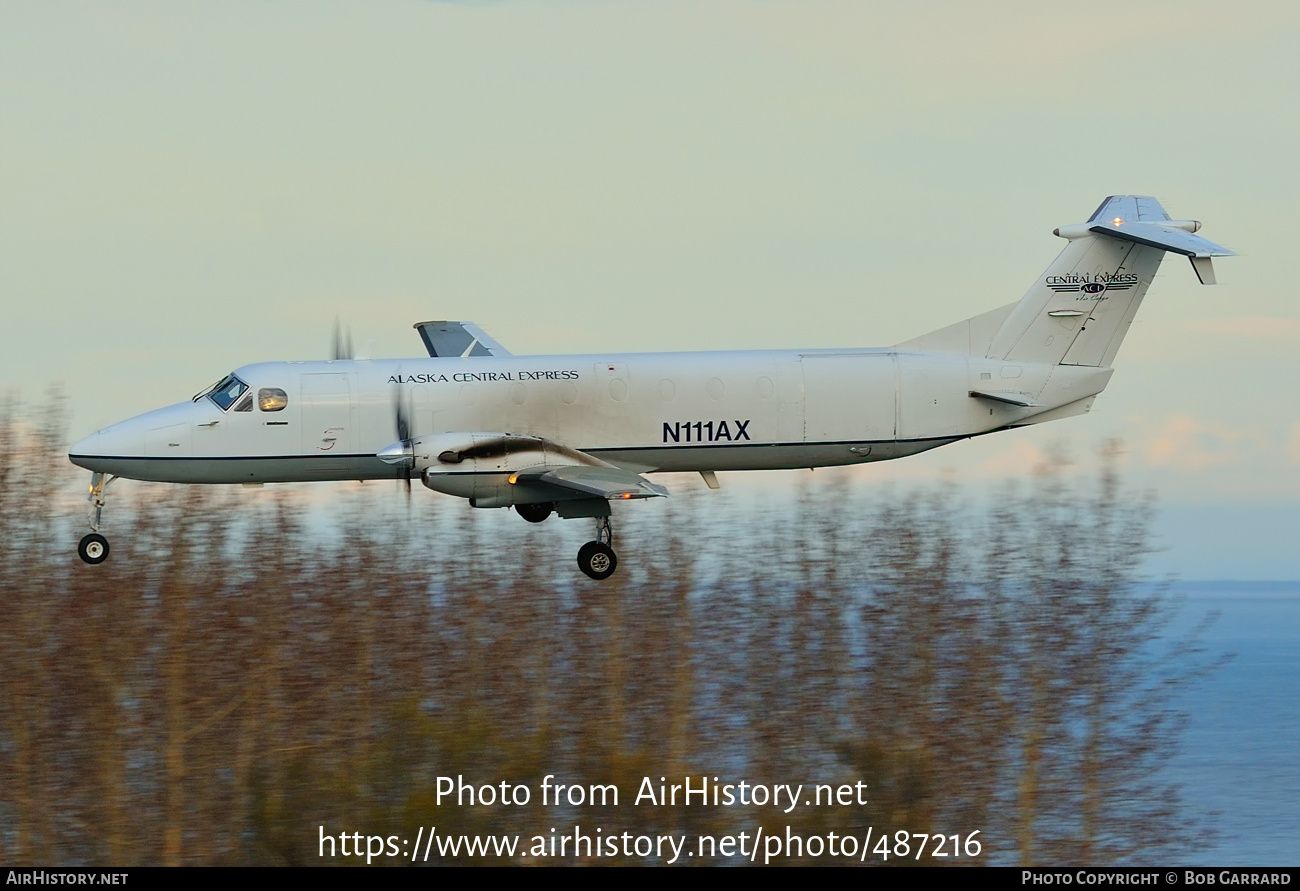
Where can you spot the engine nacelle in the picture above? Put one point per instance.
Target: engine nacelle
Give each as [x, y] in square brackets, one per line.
[480, 466]
[486, 452]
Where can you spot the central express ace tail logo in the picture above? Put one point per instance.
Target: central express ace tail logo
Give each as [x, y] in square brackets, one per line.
[1092, 284]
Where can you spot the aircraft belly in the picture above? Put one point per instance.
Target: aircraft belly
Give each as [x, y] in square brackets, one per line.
[764, 456]
[265, 469]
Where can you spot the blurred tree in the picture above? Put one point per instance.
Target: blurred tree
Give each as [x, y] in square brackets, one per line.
[1085, 676]
[244, 671]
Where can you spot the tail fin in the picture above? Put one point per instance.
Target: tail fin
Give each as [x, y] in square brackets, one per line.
[1079, 310]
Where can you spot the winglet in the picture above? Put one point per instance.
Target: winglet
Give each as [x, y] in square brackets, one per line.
[1204, 269]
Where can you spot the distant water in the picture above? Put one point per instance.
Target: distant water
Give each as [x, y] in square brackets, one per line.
[1241, 752]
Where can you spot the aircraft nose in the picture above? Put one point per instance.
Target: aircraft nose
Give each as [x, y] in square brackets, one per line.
[117, 441]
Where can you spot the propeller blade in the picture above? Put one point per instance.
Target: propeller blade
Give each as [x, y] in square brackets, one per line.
[341, 343]
[401, 417]
[402, 423]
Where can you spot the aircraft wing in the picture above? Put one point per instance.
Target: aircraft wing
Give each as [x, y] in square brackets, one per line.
[602, 482]
[458, 340]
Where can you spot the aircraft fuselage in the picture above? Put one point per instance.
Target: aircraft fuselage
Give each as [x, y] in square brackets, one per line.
[705, 411]
[571, 434]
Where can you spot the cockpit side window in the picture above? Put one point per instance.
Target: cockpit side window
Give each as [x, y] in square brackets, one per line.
[245, 404]
[227, 392]
[272, 399]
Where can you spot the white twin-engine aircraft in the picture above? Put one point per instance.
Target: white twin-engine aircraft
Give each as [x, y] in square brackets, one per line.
[570, 434]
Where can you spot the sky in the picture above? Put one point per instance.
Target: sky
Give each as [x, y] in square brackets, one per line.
[189, 187]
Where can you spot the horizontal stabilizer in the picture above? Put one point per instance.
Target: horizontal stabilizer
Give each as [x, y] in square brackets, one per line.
[1006, 397]
[1167, 238]
[457, 340]
[605, 482]
[1141, 220]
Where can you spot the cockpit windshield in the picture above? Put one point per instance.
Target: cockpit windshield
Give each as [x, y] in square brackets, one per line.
[225, 393]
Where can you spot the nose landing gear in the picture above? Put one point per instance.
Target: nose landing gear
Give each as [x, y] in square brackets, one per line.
[597, 558]
[93, 548]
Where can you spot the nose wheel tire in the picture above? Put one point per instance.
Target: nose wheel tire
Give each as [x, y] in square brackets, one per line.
[597, 560]
[93, 549]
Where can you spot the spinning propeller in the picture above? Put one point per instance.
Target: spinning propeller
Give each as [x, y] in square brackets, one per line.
[400, 454]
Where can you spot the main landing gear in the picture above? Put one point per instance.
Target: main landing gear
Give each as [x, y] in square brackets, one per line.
[93, 549]
[597, 558]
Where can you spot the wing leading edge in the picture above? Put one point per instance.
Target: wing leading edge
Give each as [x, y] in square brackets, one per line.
[600, 482]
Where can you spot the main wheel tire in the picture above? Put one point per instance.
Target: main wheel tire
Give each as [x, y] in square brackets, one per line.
[597, 560]
[535, 513]
[93, 549]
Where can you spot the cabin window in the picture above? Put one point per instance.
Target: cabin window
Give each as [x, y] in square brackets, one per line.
[271, 399]
[226, 393]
